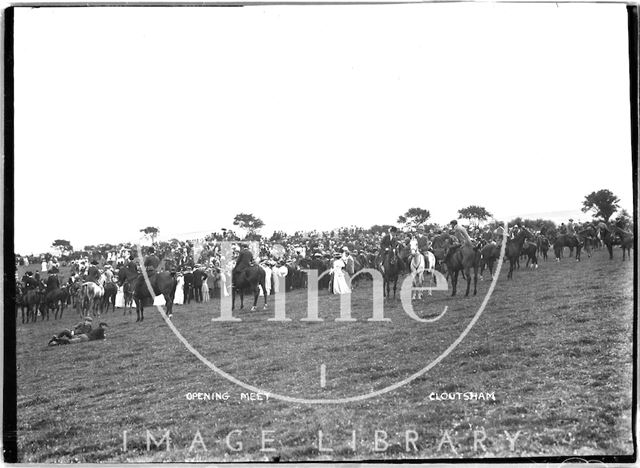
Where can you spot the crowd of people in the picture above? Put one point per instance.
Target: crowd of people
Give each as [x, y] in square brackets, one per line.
[200, 265]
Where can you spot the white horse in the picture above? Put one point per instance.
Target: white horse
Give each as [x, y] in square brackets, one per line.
[92, 293]
[419, 265]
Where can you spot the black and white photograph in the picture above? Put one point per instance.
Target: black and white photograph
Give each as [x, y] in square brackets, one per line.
[320, 232]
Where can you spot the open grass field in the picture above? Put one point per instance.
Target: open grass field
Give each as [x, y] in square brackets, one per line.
[554, 346]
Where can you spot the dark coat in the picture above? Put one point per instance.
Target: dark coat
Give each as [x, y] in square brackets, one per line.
[198, 277]
[245, 259]
[53, 283]
[29, 283]
[388, 242]
[188, 280]
[93, 274]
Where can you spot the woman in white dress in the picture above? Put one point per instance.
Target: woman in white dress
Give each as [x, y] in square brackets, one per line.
[43, 266]
[120, 298]
[340, 285]
[205, 287]
[179, 296]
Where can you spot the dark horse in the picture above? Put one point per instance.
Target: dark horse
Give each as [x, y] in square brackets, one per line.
[127, 278]
[514, 249]
[587, 238]
[567, 240]
[626, 243]
[463, 258]
[250, 278]
[608, 239]
[543, 246]
[490, 255]
[161, 283]
[390, 268]
[109, 298]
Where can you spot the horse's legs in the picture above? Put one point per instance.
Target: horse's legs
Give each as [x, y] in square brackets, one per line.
[475, 280]
[468, 275]
[264, 291]
[454, 281]
[256, 295]
[395, 286]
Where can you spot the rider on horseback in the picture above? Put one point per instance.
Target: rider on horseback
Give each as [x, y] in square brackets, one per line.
[151, 262]
[29, 281]
[244, 260]
[93, 274]
[388, 243]
[461, 234]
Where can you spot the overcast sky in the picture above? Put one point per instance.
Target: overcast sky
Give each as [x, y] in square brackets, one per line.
[312, 116]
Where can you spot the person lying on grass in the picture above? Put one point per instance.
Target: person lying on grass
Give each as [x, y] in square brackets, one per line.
[79, 328]
[92, 335]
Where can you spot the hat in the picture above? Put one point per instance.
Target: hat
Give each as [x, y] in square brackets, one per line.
[53, 271]
[337, 254]
[107, 267]
[87, 319]
[453, 221]
[29, 273]
[94, 262]
[570, 220]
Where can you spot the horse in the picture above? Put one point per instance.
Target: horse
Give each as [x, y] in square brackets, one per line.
[440, 246]
[31, 302]
[608, 239]
[74, 294]
[459, 259]
[626, 242]
[490, 254]
[420, 264]
[530, 249]
[390, 268]
[587, 237]
[252, 278]
[163, 283]
[109, 297]
[56, 299]
[543, 246]
[567, 240]
[91, 297]
[514, 248]
[127, 278]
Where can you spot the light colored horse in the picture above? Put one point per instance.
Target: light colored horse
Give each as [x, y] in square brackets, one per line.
[91, 294]
[419, 265]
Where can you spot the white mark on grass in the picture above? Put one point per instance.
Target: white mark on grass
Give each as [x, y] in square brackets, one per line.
[323, 375]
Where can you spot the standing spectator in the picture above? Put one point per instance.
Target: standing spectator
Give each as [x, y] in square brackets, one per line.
[205, 289]
[188, 285]
[179, 296]
[198, 277]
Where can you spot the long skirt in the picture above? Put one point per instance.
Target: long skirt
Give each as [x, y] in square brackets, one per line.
[340, 285]
[120, 298]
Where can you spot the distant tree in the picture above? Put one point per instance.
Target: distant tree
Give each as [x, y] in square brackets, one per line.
[623, 220]
[151, 233]
[63, 246]
[602, 203]
[250, 223]
[414, 218]
[474, 214]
